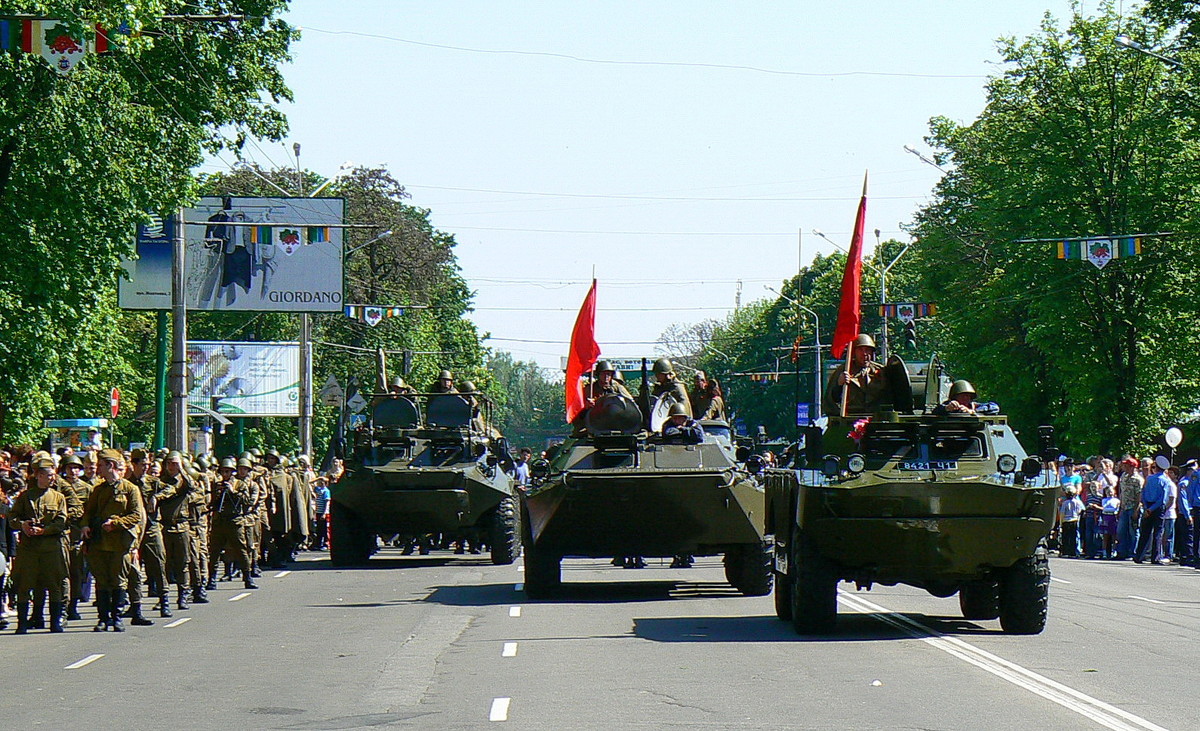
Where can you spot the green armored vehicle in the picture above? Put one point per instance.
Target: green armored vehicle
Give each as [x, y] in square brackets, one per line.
[947, 502]
[616, 488]
[423, 464]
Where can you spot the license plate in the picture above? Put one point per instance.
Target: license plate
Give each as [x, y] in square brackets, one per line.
[937, 464]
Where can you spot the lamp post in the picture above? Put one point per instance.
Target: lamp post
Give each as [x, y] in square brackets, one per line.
[1126, 42]
[816, 353]
[882, 272]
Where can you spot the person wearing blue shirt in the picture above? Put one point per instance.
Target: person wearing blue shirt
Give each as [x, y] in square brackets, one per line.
[1158, 491]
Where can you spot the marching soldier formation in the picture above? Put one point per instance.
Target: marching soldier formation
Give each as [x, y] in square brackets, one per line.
[117, 527]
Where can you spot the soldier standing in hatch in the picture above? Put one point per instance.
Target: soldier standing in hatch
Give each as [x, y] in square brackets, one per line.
[604, 383]
[444, 383]
[112, 519]
[40, 513]
[152, 551]
[866, 380]
[667, 387]
[177, 489]
[76, 491]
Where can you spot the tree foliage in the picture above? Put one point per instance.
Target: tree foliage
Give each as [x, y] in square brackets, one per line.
[532, 405]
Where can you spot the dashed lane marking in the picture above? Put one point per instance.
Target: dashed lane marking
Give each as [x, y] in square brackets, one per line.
[514, 611]
[1061, 581]
[520, 569]
[239, 597]
[178, 622]
[282, 574]
[499, 709]
[510, 650]
[1146, 599]
[519, 586]
[1091, 708]
[91, 659]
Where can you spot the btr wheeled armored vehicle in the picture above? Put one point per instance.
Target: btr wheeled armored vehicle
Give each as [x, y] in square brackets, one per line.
[949, 503]
[617, 488]
[423, 464]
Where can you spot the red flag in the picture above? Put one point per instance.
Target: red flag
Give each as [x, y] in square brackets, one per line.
[584, 352]
[850, 310]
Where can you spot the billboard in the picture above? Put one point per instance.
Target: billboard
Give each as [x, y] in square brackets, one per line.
[247, 254]
[249, 379]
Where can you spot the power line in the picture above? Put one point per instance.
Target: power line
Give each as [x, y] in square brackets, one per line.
[700, 199]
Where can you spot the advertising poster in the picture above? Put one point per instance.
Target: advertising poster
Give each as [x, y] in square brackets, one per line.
[249, 379]
[246, 254]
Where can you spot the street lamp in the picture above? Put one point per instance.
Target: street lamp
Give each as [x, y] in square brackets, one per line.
[914, 151]
[882, 272]
[816, 409]
[381, 236]
[1125, 41]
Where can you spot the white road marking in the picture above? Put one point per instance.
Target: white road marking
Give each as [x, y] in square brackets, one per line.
[499, 709]
[85, 661]
[510, 650]
[1091, 708]
[514, 611]
[520, 568]
[1061, 581]
[519, 586]
[1145, 599]
[239, 597]
[282, 574]
[178, 622]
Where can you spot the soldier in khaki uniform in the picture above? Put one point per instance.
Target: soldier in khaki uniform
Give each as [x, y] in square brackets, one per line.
[863, 380]
[150, 549]
[280, 487]
[76, 491]
[173, 499]
[234, 516]
[112, 519]
[197, 510]
[667, 387]
[40, 563]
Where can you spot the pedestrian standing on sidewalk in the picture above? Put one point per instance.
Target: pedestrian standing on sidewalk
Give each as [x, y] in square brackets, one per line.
[1069, 512]
[1129, 490]
[1157, 494]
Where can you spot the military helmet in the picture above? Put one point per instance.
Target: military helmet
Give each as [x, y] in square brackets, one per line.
[864, 340]
[192, 473]
[203, 462]
[246, 455]
[273, 453]
[467, 387]
[256, 452]
[303, 459]
[174, 455]
[72, 459]
[445, 376]
[398, 382]
[284, 461]
[663, 365]
[244, 462]
[678, 409]
[961, 387]
[229, 463]
[602, 366]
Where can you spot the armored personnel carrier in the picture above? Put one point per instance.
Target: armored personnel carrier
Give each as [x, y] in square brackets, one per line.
[423, 464]
[947, 503]
[616, 488]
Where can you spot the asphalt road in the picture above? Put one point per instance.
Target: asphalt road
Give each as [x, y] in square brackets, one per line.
[452, 642]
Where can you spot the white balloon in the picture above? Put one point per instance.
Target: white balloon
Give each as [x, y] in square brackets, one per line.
[1174, 437]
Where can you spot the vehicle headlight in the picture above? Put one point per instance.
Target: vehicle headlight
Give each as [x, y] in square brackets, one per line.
[831, 466]
[856, 463]
[540, 468]
[1006, 463]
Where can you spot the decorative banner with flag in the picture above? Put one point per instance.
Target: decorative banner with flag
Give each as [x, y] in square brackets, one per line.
[372, 314]
[850, 310]
[1100, 251]
[584, 352]
[48, 38]
[906, 312]
[318, 234]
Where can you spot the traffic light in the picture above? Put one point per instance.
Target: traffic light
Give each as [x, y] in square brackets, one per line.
[910, 334]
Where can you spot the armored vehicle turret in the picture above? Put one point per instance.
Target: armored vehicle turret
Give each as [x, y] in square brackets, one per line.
[424, 464]
[911, 494]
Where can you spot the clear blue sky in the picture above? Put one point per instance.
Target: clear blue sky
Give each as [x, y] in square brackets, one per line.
[673, 147]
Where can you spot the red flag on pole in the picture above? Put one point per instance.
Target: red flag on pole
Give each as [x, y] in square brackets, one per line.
[584, 352]
[850, 310]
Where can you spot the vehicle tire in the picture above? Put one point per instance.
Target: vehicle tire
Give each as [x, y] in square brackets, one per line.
[1024, 594]
[748, 567]
[349, 542]
[783, 597]
[814, 589]
[980, 599]
[504, 532]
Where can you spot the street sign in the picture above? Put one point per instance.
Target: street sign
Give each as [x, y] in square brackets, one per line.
[356, 420]
[802, 414]
[116, 402]
[331, 393]
[356, 403]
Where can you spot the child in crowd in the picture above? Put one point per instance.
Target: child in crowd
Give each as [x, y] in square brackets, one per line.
[1108, 520]
[1070, 511]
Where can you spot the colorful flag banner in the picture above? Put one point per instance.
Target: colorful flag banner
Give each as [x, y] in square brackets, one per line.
[372, 314]
[49, 39]
[1099, 251]
[908, 311]
[318, 234]
[10, 35]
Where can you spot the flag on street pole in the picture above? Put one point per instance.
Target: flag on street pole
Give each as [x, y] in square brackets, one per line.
[584, 352]
[850, 310]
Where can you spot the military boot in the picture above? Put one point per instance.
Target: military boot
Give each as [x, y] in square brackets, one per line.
[249, 583]
[136, 618]
[73, 610]
[37, 616]
[118, 598]
[57, 610]
[102, 608]
[212, 583]
[164, 604]
[199, 595]
[22, 618]
[181, 597]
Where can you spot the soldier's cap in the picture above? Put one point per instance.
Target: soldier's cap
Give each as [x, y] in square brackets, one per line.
[663, 365]
[40, 454]
[864, 341]
[72, 460]
[243, 462]
[112, 455]
[229, 463]
[467, 387]
[273, 453]
[43, 464]
[677, 410]
[303, 459]
[137, 455]
[88, 457]
[256, 452]
[246, 455]
[603, 366]
[398, 382]
[445, 376]
[203, 462]
[174, 455]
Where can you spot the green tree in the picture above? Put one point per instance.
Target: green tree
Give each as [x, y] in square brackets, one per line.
[1079, 137]
[84, 155]
[532, 405]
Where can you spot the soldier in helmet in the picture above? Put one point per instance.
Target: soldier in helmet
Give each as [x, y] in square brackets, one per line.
[173, 498]
[399, 388]
[76, 491]
[40, 564]
[444, 383]
[113, 517]
[961, 401]
[604, 383]
[234, 517]
[681, 428]
[866, 379]
[667, 388]
[280, 486]
[151, 548]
